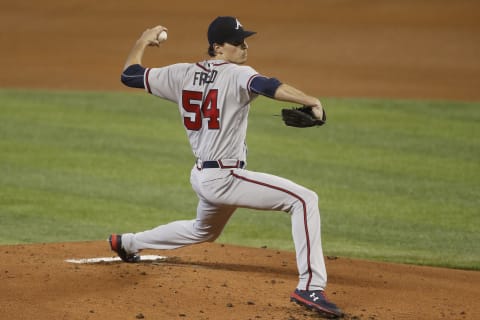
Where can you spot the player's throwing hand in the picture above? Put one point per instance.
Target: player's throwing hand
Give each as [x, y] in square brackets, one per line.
[152, 36]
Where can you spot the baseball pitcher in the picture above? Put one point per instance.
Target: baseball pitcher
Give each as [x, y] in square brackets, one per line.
[213, 98]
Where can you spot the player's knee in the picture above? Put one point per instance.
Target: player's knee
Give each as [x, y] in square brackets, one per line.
[310, 197]
[212, 237]
[308, 200]
[206, 235]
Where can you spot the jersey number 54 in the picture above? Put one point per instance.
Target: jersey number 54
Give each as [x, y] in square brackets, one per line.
[201, 107]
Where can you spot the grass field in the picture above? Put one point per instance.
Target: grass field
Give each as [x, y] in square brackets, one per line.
[397, 180]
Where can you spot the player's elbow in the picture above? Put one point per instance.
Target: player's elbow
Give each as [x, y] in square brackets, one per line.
[265, 86]
[133, 76]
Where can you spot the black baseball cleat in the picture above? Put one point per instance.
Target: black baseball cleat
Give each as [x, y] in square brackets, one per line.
[116, 245]
[317, 301]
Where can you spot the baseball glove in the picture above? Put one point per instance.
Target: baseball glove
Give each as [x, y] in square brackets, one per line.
[302, 117]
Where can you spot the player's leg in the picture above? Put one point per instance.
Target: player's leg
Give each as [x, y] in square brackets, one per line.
[268, 192]
[209, 222]
[207, 226]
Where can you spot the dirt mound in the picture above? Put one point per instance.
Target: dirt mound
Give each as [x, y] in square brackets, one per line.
[213, 281]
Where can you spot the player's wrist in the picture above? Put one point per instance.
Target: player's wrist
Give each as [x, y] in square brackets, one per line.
[313, 102]
[318, 111]
[142, 43]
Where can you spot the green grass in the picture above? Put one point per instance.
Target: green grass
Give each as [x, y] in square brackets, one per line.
[397, 180]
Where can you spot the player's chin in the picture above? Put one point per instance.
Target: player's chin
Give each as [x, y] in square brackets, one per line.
[242, 60]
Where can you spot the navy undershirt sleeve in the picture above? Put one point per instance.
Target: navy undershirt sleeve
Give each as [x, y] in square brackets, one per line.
[265, 86]
[133, 76]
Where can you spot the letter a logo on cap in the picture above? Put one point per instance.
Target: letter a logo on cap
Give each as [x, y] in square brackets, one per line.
[239, 25]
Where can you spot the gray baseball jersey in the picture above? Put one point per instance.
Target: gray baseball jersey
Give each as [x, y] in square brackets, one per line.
[214, 99]
[214, 116]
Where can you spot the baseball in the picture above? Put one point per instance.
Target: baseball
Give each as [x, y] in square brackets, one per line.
[162, 36]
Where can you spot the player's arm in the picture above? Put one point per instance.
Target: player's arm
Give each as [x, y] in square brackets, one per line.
[149, 38]
[133, 71]
[273, 88]
[290, 94]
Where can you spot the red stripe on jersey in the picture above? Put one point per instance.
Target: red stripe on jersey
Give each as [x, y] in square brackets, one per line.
[214, 64]
[307, 235]
[200, 66]
[146, 80]
[222, 63]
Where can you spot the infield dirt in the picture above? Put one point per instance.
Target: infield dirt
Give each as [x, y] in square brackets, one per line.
[396, 49]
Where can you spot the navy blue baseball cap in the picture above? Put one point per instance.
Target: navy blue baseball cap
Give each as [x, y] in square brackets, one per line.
[227, 29]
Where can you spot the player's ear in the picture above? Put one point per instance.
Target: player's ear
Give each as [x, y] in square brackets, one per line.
[218, 48]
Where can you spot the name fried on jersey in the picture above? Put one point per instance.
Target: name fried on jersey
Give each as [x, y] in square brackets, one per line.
[200, 78]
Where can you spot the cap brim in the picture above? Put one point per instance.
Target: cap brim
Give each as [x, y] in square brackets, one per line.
[240, 37]
[247, 34]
